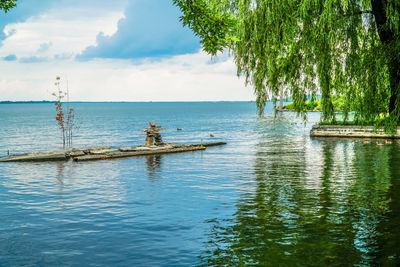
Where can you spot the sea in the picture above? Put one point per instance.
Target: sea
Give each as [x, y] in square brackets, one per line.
[272, 196]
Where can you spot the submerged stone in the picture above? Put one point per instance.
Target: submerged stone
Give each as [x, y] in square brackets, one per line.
[39, 156]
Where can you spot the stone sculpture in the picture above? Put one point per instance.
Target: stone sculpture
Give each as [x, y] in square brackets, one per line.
[153, 136]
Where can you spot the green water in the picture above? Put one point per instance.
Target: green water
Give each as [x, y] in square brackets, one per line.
[314, 203]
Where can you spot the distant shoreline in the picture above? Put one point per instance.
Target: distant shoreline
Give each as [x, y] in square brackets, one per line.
[52, 102]
[26, 102]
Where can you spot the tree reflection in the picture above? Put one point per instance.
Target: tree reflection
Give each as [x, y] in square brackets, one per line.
[265, 229]
[387, 251]
[60, 166]
[328, 202]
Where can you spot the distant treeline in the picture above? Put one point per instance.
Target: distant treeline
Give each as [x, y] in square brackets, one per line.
[26, 102]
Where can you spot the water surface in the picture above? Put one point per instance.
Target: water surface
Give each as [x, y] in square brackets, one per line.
[271, 197]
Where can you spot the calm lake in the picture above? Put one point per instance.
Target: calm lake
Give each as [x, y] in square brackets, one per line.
[271, 197]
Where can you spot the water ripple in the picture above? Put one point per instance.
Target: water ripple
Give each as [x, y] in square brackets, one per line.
[272, 196]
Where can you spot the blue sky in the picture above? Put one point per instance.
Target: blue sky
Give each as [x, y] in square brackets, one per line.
[131, 50]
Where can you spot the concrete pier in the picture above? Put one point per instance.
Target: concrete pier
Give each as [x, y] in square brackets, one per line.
[351, 131]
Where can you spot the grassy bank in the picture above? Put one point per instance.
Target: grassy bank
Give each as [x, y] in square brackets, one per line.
[316, 105]
[383, 120]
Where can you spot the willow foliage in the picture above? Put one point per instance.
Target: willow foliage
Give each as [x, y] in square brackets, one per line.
[7, 4]
[308, 47]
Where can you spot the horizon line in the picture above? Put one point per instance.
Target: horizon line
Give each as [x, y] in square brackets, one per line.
[52, 101]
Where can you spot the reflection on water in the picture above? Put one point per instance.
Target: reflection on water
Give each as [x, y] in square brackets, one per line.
[313, 203]
[153, 166]
[60, 172]
[270, 197]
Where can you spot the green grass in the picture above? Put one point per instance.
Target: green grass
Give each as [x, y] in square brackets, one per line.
[339, 105]
[349, 123]
[310, 105]
[337, 101]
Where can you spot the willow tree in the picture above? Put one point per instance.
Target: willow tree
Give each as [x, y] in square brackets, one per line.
[310, 47]
[7, 4]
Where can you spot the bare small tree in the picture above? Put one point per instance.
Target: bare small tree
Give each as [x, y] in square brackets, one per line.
[66, 124]
[70, 123]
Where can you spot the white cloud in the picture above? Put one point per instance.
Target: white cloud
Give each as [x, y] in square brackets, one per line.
[180, 78]
[151, 29]
[42, 47]
[68, 30]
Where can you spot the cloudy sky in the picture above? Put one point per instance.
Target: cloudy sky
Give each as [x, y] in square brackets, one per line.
[109, 50]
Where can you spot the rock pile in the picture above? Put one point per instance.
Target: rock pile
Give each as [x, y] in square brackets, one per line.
[153, 137]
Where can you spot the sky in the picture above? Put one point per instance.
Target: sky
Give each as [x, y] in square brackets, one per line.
[119, 50]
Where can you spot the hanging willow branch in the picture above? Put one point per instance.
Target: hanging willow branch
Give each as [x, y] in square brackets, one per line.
[321, 48]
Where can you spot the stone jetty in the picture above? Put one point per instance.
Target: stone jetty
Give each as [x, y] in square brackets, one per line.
[351, 132]
[98, 153]
[153, 145]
